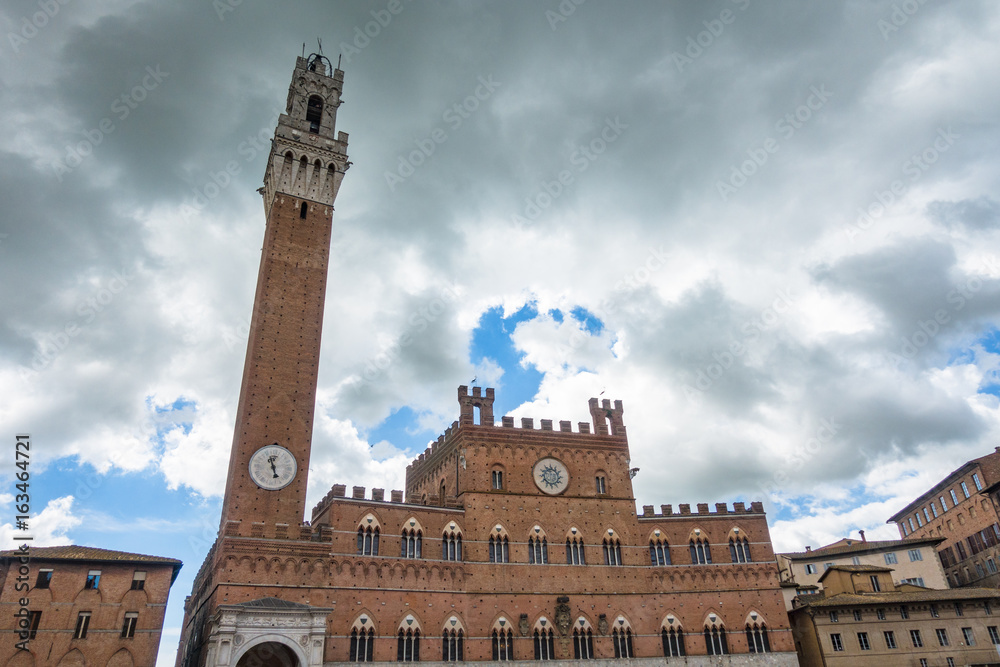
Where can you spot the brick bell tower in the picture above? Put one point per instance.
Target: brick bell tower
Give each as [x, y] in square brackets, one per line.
[269, 464]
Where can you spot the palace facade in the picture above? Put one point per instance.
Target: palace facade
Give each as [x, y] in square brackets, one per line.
[512, 542]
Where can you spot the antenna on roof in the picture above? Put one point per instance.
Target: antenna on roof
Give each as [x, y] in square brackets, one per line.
[338, 60]
[303, 49]
[320, 45]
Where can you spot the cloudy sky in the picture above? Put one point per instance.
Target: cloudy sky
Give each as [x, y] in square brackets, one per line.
[769, 228]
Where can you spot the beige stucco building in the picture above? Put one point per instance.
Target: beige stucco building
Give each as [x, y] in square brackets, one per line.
[912, 561]
[862, 618]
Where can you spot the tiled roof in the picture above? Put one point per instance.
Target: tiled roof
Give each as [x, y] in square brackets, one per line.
[929, 595]
[74, 552]
[857, 546]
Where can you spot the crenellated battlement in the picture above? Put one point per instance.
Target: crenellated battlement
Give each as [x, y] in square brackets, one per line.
[607, 421]
[701, 509]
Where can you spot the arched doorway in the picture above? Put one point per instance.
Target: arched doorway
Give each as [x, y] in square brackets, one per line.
[269, 654]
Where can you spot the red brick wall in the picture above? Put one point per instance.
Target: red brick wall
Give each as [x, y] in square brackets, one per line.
[62, 603]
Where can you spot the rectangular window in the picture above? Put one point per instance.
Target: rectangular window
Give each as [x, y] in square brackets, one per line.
[979, 571]
[44, 579]
[601, 487]
[994, 635]
[975, 478]
[82, 623]
[880, 613]
[905, 531]
[34, 618]
[890, 558]
[950, 661]
[837, 642]
[961, 551]
[912, 527]
[810, 568]
[954, 496]
[970, 639]
[934, 509]
[915, 638]
[93, 579]
[916, 581]
[904, 613]
[934, 611]
[138, 580]
[927, 515]
[923, 662]
[857, 614]
[965, 490]
[942, 636]
[958, 609]
[920, 520]
[128, 627]
[855, 560]
[863, 641]
[498, 479]
[944, 504]
[834, 618]
[876, 588]
[890, 639]
[915, 555]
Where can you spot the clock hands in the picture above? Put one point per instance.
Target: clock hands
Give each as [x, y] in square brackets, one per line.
[271, 460]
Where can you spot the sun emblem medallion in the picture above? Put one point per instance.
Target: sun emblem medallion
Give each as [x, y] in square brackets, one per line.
[551, 476]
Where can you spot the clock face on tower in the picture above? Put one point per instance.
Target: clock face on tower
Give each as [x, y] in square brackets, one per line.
[272, 467]
[551, 476]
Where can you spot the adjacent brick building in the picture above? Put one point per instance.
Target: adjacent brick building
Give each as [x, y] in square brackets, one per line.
[863, 619]
[962, 509]
[86, 606]
[512, 543]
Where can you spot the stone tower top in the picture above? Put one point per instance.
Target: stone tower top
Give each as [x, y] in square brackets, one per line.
[308, 156]
[607, 419]
[468, 405]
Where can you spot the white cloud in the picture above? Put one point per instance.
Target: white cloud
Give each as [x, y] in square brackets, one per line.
[48, 528]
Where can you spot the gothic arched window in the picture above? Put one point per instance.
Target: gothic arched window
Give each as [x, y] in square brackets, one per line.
[368, 541]
[739, 549]
[411, 544]
[659, 552]
[408, 646]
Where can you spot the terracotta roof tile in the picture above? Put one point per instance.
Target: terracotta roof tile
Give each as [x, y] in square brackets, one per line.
[74, 552]
[890, 597]
[859, 546]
